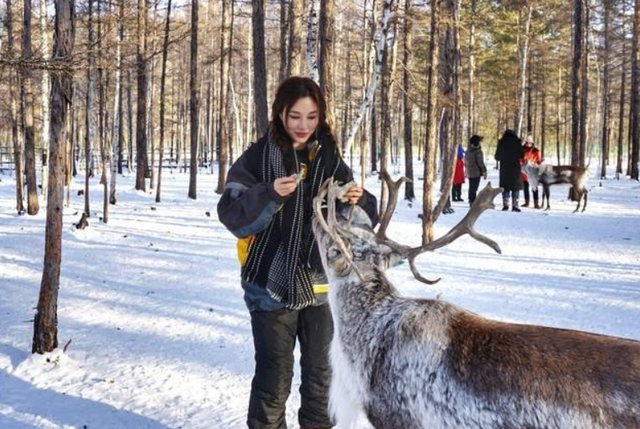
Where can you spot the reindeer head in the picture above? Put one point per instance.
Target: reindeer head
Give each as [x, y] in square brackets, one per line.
[348, 245]
[346, 239]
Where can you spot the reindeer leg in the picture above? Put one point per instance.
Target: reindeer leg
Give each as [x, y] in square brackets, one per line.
[545, 194]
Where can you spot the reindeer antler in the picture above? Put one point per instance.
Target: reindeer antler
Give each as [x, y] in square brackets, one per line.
[332, 192]
[483, 202]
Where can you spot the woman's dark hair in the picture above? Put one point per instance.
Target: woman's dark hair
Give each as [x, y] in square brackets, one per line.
[288, 93]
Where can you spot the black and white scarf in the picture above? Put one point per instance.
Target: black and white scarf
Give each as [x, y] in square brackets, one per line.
[289, 278]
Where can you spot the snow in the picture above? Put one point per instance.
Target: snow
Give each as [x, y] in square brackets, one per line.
[160, 336]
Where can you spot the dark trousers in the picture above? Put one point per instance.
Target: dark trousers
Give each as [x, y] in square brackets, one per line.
[456, 192]
[274, 339]
[474, 182]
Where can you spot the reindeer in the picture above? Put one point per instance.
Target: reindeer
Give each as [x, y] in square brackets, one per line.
[422, 363]
[550, 175]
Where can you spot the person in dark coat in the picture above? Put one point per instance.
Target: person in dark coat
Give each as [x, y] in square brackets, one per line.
[474, 162]
[508, 153]
[267, 204]
[458, 176]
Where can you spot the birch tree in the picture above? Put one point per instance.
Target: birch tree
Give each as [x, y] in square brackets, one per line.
[379, 43]
[116, 133]
[312, 40]
[44, 97]
[524, 59]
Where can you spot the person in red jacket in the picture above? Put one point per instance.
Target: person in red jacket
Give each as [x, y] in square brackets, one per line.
[458, 176]
[531, 153]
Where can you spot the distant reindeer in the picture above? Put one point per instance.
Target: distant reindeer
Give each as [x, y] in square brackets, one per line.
[549, 175]
[421, 363]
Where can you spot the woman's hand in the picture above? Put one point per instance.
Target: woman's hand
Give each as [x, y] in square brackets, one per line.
[285, 185]
[354, 194]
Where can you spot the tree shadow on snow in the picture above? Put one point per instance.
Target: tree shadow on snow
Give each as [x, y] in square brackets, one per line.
[23, 405]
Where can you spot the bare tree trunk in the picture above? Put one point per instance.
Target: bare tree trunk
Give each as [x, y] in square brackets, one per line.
[104, 152]
[449, 94]
[635, 94]
[606, 93]
[576, 84]
[524, 59]
[584, 95]
[163, 75]
[543, 120]
[284, 33]
[116, 134]
[44, 87]
[223, 116]
[409, 193]
[17, 146]
[193, 102]
[471, 126]
[294, 60]
[379, 42]
[45, 326]
[428, 217]
[129, 124]
[623, 75]
[141, 101]
[26, 112]
[312, 40]
[558, 114]
[259, 68]
[327, 30]
[90, 127]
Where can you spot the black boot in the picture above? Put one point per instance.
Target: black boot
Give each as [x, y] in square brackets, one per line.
[515, 207]
[535, 200]
[505, 204]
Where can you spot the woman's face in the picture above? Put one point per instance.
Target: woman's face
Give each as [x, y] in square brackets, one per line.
[301, 120]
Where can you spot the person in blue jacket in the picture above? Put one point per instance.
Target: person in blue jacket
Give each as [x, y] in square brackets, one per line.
[267, 204]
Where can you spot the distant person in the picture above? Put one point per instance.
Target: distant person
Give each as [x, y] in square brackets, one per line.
[267, 204]
[509, 153]
[474, 160]
[531, 154]
[458, 176]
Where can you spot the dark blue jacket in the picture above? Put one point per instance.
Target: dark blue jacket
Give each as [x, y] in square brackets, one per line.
[248, 206]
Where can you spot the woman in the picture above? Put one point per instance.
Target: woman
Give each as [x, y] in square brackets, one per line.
[474, 160]
[530, 154]
[267, 203]
[508, 153]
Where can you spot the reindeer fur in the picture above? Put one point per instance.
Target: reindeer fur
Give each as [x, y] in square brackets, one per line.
[548, 175]
[420, 363]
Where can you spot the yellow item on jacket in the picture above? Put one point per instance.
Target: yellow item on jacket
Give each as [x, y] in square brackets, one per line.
[242, 247]
[320, 288]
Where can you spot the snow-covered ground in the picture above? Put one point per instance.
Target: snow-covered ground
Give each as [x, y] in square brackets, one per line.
[160, 336]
